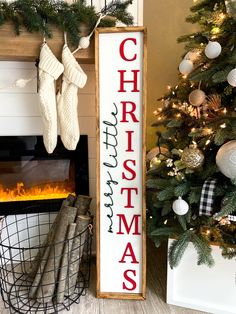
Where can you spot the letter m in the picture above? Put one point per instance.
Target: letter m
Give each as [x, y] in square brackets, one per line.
[134, 223]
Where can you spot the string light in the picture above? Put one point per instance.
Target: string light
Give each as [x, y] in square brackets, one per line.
[168, 87]
[224, 111]
[207, 142]
[178, 115]
[208, 131]
[222, 16]
[193, 130]
[223, 126]
[215, 30]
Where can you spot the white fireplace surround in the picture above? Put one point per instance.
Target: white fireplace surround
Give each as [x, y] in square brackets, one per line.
[19, 112]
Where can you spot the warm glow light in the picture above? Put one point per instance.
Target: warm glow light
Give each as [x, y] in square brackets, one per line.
[208, 232]
[207, 142]
[21, 193]
[178, 115]
[224, 110]
[169, 87]
[222, 16]
[223, 126]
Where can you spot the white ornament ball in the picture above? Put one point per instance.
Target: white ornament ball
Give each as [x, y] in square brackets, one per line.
[197, 97]
[84, 42]
[226, 159]
[180, 206]
[213, 50]
[185, 67]
[21, 83]
[231, 78]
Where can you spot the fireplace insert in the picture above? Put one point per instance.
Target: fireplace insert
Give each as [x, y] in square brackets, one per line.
[31, 180]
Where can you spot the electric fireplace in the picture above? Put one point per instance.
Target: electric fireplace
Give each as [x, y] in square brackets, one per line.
[31, 180]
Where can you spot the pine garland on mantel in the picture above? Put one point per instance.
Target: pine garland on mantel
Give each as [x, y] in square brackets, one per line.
[40, 15]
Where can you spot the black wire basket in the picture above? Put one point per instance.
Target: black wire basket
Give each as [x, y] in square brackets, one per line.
[22, 241]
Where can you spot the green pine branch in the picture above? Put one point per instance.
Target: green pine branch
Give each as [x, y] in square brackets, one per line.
[40, 15]
[178, 247]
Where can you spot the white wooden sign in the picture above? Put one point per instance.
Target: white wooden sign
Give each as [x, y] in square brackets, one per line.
[121, 246]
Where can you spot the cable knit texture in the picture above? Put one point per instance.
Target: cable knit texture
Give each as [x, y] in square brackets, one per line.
[49, 71]
[73, 78]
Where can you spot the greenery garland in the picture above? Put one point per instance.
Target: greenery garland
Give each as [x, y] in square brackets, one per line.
[40, 15]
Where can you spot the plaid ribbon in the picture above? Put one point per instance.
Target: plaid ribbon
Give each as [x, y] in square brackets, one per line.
[207, 198]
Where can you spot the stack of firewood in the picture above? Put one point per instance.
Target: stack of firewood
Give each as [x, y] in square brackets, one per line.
[55, 269]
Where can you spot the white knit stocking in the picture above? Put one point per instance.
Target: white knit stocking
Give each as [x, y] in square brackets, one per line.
[73, 78]
[49, 71]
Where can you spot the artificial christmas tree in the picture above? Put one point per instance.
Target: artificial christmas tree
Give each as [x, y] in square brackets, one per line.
[195, 160]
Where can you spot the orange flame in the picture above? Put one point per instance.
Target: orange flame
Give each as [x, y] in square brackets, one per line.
[21, 193]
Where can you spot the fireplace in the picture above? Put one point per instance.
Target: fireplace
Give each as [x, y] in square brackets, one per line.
[31, 180]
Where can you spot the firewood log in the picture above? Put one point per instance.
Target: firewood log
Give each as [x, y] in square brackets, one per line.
[31, 270]
[63, 272]
[49, 277]
[82, 202]
[82, 223]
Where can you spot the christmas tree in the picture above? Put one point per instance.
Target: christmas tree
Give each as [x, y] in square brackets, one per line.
[191, 179]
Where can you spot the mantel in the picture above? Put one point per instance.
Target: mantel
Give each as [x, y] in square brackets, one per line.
[26, 46]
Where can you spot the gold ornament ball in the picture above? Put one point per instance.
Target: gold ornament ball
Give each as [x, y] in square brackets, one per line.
[197, 97]
[192, 157]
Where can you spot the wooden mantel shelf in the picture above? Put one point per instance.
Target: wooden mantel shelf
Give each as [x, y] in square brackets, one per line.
[26, 47]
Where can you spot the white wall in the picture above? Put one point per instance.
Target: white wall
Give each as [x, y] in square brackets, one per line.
[19, 112]
[136, 8]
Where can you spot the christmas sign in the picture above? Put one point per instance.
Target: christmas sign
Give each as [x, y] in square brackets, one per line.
[121, 68]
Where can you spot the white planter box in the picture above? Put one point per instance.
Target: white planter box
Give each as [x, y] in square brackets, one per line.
[202, 288]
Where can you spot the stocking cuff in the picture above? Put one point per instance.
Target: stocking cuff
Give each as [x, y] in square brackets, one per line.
[49, 63]
[73, 71]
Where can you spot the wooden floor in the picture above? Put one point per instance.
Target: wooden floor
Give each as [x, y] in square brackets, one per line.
[156, 293]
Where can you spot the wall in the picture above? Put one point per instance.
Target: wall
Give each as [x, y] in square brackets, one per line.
[165, 21]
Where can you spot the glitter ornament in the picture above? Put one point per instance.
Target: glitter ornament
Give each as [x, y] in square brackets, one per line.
[226, 159]
[180, 206]
[213, 50]
[231, 78]
[197, 97]
[192, 157]
[185, 67]
[84, 42]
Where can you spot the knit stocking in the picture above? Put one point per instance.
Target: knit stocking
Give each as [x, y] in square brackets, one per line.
[49, 71]
[73, 78]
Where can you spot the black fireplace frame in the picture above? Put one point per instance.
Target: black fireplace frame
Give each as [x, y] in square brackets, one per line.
[11, 151]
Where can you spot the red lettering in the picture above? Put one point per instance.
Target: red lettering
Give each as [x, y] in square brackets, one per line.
[122, 45]
[123, 81]
[134, 221]
[125, 111]
[130, 170]
[129, 250]
[129, 191]
[130, 280]
[129, 149]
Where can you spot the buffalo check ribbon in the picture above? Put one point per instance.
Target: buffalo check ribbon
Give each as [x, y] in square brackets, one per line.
[207, 198]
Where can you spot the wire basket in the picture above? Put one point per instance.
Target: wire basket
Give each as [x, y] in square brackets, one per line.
[22, 241]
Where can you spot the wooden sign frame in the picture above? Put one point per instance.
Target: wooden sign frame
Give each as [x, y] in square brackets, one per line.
[132, 47]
